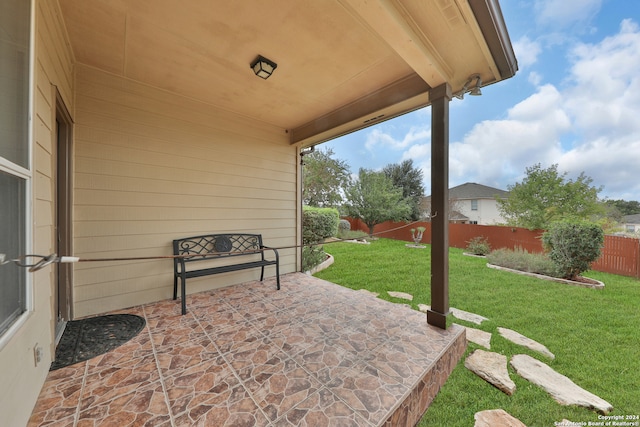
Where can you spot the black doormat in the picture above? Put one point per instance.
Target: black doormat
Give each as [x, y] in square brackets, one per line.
[87, 338]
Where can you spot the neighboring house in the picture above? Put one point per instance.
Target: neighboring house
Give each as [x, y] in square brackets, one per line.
[631, 224]
[126, 124]
[472, 203]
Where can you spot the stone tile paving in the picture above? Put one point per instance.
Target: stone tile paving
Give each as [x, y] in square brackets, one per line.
[311, 354]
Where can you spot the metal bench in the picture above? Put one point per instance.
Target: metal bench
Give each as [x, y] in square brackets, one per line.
[211, 250]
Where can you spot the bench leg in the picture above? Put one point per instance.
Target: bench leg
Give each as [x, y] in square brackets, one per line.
[175, 287]
[183, 289]
[278, 275]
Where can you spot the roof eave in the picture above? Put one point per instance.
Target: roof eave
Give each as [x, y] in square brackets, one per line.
[494, 29]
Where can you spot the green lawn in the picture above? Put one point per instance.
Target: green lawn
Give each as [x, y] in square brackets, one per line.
[594, 334]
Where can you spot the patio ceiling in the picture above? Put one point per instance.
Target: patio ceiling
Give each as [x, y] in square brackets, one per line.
[342, 65]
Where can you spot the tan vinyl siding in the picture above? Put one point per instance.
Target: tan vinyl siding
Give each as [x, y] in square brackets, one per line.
[21, 379]
[151, 166]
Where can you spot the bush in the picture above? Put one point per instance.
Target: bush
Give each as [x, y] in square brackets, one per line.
[344, 225]
[318, 224]
[479, 246]
[519, 259]
[312, 256]
[573, 246]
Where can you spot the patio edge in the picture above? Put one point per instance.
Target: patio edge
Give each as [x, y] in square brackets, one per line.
[417, 402]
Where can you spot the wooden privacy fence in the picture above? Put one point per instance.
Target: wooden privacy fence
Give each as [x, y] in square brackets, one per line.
[620, 255]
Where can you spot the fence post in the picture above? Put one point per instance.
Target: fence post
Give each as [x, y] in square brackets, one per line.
[638, 258]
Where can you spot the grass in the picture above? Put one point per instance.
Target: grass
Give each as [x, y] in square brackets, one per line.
[594, 334]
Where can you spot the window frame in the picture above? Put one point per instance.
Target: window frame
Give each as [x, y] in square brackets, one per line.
[27, 174]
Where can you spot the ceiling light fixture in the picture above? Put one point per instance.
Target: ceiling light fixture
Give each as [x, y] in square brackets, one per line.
[474, 91]
[263, 67]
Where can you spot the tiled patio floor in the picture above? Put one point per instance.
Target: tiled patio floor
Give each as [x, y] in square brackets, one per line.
[311, 354]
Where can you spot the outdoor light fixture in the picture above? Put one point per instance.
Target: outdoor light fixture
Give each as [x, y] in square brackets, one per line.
[475, 91]
[263, 67]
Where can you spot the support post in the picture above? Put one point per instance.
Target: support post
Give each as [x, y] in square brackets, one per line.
[439, 97]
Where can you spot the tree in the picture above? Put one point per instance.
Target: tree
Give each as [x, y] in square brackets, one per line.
[374, 199]
[324, 179]
[409, 178]
[546, 195]
[625, 207]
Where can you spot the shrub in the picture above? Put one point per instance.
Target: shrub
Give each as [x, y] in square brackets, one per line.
[573, 246]
[478, 246]
[344, 225]
[318, 224]
[312, 256]
[519, 259]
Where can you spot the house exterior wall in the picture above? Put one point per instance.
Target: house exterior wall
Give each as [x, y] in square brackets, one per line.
[150, 167]
[20, 376]
[487, 213]
[631, 227]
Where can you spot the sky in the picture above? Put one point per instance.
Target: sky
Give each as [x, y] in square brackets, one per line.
[574, 102]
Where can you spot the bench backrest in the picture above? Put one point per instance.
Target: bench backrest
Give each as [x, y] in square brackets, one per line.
[217, 245]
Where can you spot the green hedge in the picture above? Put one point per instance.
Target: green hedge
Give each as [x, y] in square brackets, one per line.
[318, 224]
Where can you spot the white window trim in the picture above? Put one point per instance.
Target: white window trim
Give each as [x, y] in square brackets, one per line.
[27, 174]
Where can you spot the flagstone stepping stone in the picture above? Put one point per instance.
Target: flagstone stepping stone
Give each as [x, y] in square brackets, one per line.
[469, 317]
[401, 295]
[491, 367]
[368, 292]
[460, 314]
[496, 418]
[478, 337]
[561, 388]
[520, 339]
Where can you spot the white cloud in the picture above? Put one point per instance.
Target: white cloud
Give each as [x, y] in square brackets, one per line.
[417, 152]
[598, 108]
[526, 51]
[534, 78]
[379, 138]
[589, 122]
[605, 98]
[495, 152]
[613, 164]
[563, 13]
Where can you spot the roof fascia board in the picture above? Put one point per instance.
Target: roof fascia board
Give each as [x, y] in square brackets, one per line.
[402, 96]
[489, 17]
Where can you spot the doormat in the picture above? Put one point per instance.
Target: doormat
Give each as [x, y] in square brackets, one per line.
[86, 338]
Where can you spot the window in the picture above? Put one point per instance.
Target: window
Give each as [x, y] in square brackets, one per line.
[15, 174]
[631, 228]
[474, 205]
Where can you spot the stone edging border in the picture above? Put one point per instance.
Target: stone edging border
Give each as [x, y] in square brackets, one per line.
[324, 264]
[599, 285]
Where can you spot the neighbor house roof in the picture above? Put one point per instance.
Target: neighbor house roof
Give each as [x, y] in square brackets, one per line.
[632, 219]
[471, 190]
